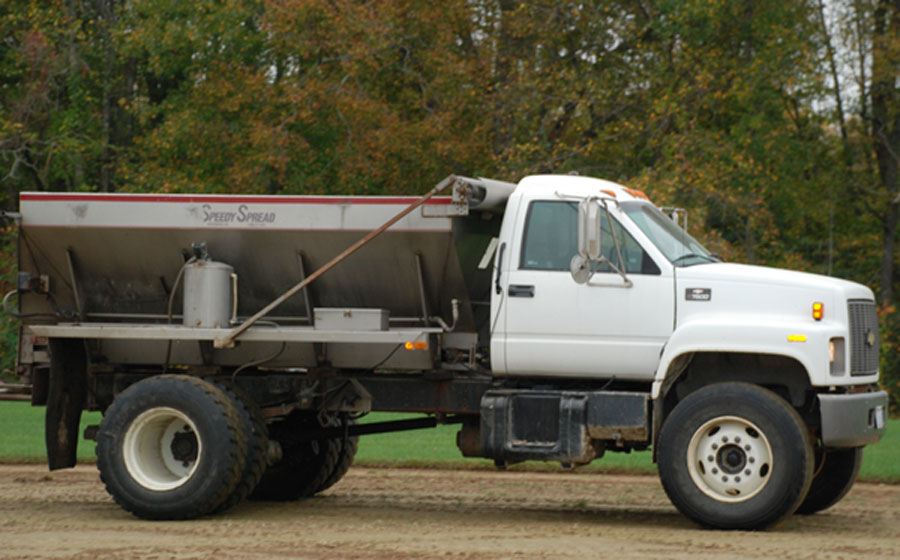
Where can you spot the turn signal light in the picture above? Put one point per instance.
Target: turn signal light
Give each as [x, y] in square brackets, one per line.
[818, 311]
[420, 345]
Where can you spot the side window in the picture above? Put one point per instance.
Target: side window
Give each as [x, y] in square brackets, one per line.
[551, 240]
[636, 260]
[551, 235]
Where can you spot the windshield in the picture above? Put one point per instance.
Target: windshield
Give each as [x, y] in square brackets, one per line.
[675, 243]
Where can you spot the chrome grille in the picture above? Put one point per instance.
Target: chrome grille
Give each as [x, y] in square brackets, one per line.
[863, 337]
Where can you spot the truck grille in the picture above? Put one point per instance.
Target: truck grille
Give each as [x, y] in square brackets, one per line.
[863, 337]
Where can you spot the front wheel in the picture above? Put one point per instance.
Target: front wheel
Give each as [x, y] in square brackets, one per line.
[171, 447]
[836, 471]
[735, 456]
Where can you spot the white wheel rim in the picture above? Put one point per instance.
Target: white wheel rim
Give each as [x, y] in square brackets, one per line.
[730, 459]
[161, 449]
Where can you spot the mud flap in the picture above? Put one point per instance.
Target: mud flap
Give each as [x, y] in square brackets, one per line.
[65, 400]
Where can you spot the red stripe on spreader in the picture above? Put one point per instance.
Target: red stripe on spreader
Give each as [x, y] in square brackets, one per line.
[233, 199]
[392, 229]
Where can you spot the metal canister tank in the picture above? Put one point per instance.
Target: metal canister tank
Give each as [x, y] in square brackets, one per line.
[209, 293]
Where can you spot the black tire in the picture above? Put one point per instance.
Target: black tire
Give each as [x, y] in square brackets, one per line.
[304, 466]
[735, 456]
[253, 426]
[171, 447]
[346, 454]
[837, 471]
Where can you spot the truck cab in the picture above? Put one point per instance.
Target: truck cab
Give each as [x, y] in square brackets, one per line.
[594, 282]
[657, 297]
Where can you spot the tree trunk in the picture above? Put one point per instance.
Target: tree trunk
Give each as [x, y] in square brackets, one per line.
[888, 243]
[886, 130]
[832, 66]
[107, 12]
[505, 53]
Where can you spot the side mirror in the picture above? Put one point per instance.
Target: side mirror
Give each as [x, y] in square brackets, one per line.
[591, 212]
[677, 215]
[580, 268]
[590, 232]
[590, 239]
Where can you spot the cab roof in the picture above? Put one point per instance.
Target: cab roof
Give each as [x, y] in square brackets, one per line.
[577, 186]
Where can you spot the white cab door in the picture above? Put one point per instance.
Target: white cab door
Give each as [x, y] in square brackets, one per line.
[555, 327]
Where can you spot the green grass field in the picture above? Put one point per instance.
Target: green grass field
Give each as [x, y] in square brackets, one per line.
[22, 440]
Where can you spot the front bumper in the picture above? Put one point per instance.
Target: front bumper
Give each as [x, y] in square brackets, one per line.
[853, 420]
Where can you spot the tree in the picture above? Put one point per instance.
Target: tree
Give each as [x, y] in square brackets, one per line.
[58, 118]
[867, 32]
[304, 97]
[739, 110]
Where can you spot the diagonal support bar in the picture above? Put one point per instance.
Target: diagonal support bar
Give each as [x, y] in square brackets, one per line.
[228, 341]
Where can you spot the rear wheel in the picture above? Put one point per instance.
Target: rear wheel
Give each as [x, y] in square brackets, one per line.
[253, 426]
[304, 466]
[836, 472]
[171, 447]
[735, 456]
[348, 447]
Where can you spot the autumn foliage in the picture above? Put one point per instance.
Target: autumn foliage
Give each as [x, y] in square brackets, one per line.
[776, 124]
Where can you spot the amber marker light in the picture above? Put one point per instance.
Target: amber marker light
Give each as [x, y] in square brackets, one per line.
[818, 311]
[421, 345]
[637, 194]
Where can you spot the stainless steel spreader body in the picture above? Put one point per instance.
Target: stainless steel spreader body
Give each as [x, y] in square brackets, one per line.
[112, 261]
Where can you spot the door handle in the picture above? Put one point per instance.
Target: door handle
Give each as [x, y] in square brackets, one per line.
[499, 268]
[521, 290]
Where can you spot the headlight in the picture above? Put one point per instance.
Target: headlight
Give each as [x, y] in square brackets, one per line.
[836, 356]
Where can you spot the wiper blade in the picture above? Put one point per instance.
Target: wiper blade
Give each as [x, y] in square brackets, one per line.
[708, 258]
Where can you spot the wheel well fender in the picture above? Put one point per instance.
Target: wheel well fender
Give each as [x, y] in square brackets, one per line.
[783, 375]
[760, 337]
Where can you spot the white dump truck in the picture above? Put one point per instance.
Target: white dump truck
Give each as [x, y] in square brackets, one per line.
[232, 345]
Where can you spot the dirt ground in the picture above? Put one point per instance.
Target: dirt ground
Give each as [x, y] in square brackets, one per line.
[402, 513]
